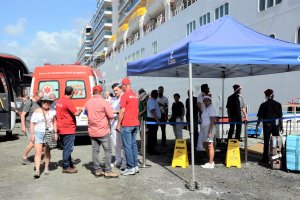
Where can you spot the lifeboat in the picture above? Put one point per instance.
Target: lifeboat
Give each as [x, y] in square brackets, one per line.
[135, 18]
[120, 33]
[155, 7]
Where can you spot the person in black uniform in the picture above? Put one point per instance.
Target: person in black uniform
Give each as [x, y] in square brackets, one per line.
[236, 110]
[270, 109]
[195, 114]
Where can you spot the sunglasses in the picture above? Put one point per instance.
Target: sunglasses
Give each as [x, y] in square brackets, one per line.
[45, 101]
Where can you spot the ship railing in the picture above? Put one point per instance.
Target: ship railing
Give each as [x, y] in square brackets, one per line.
[181, 5]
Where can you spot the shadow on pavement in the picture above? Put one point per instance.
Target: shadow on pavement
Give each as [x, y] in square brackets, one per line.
[4, 138]
[200, 157]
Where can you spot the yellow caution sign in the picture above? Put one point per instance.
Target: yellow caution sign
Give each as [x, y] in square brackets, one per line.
[233, 158]
[180, 156]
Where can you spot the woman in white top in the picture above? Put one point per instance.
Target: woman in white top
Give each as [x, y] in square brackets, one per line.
[207, 131]
[41, 119]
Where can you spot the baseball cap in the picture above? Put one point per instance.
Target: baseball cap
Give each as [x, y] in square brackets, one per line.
[126, 81]
[97, 88]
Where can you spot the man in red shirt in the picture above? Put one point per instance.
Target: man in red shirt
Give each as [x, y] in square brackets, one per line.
[66, 126]
[99, 113]
[129, 125]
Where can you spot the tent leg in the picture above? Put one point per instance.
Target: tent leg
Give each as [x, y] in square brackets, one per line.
[192, 184]
[223, 88]
[246, 143]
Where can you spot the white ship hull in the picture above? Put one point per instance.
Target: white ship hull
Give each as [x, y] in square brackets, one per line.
[280, 20]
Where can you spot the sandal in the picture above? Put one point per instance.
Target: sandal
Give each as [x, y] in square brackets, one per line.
[36, 174]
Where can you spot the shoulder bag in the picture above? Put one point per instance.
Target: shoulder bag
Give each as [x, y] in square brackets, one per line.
[49, 136]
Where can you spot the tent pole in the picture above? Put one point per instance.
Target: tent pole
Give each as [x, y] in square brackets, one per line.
[223, 89]
[192, 184]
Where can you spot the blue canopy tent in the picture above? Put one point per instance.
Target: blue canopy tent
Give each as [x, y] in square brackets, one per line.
[222, 49]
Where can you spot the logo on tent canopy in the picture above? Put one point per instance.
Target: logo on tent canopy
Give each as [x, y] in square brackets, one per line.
[171, 60]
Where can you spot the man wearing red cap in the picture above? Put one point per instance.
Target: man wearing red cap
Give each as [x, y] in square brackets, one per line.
[269, 110]
[236, 110]
[128, 124]
[99, 113]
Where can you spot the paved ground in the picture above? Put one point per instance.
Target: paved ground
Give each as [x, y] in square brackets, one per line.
[160, 181]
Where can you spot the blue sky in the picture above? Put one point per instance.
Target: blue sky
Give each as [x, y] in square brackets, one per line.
[43, 31]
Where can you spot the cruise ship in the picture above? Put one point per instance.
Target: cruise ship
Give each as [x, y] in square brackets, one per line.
[122, 31]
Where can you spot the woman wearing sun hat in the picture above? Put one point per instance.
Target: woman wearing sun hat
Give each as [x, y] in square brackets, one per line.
[43, 118]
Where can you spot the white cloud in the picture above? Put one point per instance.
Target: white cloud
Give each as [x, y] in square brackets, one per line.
[15, 29]
[47, 47]
[79, 23]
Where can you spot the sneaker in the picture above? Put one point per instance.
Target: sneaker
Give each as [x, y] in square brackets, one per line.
[25, 161]
[98, 172]
[127, 172]
[36, 174]
[136, 168]
[46, 172]
[208, 165]
[70, 170]
[111, 174]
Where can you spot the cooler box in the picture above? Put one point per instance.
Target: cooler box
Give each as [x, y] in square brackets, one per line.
[252, 132]
[293, 152]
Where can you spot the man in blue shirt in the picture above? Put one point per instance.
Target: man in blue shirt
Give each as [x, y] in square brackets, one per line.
[153, 115]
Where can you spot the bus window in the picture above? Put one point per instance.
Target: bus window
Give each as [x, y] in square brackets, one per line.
[79, 89]
[49, 87]
[3, 86]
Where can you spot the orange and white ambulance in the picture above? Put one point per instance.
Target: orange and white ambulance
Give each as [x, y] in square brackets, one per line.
[54, 78]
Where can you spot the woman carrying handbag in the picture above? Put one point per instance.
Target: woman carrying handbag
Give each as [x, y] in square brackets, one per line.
[43, 123]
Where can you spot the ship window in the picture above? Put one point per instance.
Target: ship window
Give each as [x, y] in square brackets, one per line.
[262, 4]
[204, 19]
[222, 11]
[298, 38]
[226, 8]
[125, 62]
[217, 13]
[154, 46]
[191, 27]
[270, 3]
[137, 55]
[142, 52]
[272, 36]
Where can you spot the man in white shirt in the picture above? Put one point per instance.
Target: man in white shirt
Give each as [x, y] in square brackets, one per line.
[115, 104]
[163, 105]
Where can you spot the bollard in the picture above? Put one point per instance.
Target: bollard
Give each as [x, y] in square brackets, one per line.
[143, 138]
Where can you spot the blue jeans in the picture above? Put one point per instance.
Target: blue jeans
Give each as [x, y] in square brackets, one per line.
[128, 134]
[68, 141]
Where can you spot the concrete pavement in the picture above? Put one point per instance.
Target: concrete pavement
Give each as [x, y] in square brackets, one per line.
[160, 181]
